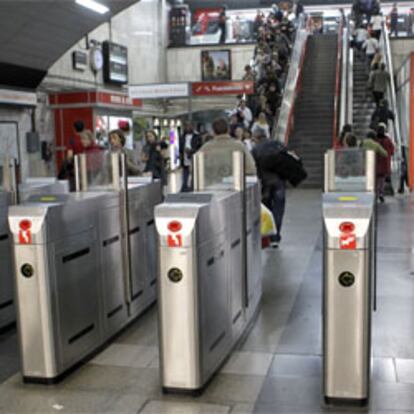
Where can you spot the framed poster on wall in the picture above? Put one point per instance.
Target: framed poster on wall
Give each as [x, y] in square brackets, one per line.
[9, 141]
[215, 65]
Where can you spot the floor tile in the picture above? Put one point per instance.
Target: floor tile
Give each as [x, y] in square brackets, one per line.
[124, 355]
[169, 407]
[383, 369]
[248, 363]
[126, 403]
[301, 366]
[242, 409]
[393, 397]
[405, 370]
[291, 392]
[233, 388]
[142, 381]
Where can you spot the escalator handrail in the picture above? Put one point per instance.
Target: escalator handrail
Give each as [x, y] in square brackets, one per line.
[284, 120]
[346, 107]
[337, 99]
[391, 89]
[343, 107]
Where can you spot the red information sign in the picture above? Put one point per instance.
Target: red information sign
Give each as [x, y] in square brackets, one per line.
[175, 240]
[347, 241]
[222, 88]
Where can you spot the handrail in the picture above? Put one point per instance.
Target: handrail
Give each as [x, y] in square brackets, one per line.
[343, 107]
[391, 90]
[283, 123]
[346, 107]
[350, 86]
[337, 86]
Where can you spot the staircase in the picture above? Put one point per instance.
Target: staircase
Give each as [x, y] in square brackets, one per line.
[363, 104]
[312, 133]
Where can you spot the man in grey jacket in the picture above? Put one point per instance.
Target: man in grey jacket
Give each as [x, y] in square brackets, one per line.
[378, 82]
[219, 154]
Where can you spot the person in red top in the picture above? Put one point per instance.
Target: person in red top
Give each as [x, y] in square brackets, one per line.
[383, 163]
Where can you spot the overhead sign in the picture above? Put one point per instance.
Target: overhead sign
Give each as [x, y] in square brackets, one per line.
[223, 88]
[8, 96]
[93, 98]
[158, 91]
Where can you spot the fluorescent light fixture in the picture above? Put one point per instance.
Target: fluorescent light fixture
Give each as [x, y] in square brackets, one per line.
[93, 5]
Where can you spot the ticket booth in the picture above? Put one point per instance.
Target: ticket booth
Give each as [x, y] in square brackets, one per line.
[100, 110]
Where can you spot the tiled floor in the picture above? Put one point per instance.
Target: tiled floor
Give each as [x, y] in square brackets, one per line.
[278, 367]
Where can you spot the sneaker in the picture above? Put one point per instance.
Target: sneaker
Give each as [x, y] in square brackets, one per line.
[274, 245]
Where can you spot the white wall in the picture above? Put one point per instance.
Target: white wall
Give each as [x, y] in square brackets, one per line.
[400, 49]
[31, 164]
[141, 28]
[184, 64]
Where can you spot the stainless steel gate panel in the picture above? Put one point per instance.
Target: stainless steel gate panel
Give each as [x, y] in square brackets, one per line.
[201, 307]
[151, 257]
[348, 271]
[115, 312]
[348, 321]
[215, 315]
[76, 283]
[58, 281]
[7, 315]
[143, 195]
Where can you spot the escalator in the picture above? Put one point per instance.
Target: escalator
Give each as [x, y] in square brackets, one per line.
[314, 111]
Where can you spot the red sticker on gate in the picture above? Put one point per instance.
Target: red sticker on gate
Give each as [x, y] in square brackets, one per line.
[25, 233]
[347, 241]
[175, 240]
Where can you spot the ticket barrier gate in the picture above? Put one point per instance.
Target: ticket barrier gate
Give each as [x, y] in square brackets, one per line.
[12, 193]
[210, 274]
[349, 274]
[42, 185]
[77, 279]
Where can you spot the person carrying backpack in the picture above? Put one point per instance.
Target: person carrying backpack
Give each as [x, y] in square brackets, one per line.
[273, 186]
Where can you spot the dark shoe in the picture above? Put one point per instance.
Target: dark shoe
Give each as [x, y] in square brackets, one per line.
[274, 245]
[381, 199]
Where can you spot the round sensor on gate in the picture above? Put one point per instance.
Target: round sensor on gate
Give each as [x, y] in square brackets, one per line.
[27, 270]
[174, 226]
[175, 275]
[347, 227]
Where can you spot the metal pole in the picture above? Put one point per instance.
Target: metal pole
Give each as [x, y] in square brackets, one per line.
[77, 174]
[116, 174]
[199, 171]
[190, 103]
[119, 164]
[83, 173]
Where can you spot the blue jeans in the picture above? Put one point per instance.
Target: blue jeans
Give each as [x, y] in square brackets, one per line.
[186, 175]
[274, 198]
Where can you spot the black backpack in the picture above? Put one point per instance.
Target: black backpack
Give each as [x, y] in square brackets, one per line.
[274, 157]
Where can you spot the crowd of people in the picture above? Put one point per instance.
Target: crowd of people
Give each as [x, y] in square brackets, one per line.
[367, 47]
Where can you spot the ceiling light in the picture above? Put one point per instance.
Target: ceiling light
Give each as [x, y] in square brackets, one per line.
[93, 5]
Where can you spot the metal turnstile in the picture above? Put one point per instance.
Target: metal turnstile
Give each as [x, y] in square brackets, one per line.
[349, 274]
[209, 273]
[7, 313]
[77, 275]
[42, 185]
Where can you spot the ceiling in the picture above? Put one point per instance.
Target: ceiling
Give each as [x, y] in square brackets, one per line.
[35, 33]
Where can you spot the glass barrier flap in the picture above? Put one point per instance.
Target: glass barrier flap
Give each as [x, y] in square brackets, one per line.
[350, 170]
[215, 169]
[97, 169]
